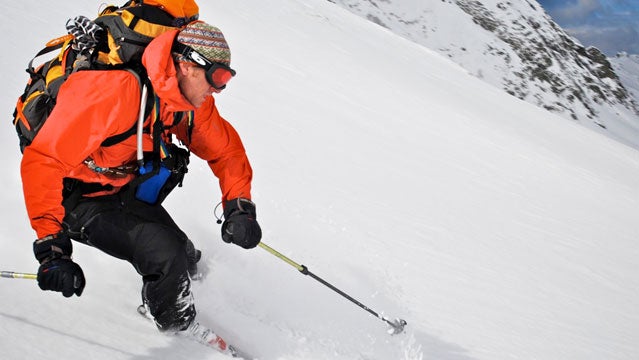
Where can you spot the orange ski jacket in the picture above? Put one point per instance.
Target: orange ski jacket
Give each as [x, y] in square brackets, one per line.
[94, 105]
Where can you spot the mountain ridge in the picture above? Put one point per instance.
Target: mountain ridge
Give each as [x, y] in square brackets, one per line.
[520, 49]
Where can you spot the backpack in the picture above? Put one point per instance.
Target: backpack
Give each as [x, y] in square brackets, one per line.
[116, 39]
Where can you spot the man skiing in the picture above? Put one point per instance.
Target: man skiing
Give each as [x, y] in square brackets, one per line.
[78, 187]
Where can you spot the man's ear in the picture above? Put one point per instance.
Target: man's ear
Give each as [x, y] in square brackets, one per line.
[184, 68]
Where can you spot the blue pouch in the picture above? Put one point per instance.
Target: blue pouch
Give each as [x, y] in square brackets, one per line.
[149, 190]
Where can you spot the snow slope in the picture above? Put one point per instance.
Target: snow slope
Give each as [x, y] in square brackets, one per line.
[495, 230]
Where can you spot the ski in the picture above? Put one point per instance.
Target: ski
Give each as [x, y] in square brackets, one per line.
[206, 337]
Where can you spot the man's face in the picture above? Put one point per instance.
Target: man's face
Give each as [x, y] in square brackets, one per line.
[193, 84]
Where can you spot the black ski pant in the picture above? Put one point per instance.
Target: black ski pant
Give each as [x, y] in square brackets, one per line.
[147, 237]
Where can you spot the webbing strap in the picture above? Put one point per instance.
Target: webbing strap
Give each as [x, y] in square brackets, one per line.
[159, 145]
[46, 50]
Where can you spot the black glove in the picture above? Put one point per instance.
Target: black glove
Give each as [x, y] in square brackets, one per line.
[240, 223]
[57, 272]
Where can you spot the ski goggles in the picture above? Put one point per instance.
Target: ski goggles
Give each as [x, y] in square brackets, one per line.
[217, 74]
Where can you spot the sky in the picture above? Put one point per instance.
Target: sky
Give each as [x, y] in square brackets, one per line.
[494, 228]
[610, 25]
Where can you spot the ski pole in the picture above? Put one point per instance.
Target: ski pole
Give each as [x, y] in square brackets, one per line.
[18, 275]
[397, 325]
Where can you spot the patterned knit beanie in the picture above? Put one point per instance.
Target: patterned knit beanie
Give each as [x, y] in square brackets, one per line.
[206, 40]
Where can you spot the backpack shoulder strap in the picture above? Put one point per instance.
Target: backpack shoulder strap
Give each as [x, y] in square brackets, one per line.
[148, 107]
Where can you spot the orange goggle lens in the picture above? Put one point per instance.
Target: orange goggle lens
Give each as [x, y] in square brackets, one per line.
[218, 75]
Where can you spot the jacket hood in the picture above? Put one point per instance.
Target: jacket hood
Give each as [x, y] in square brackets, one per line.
[161, 71]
